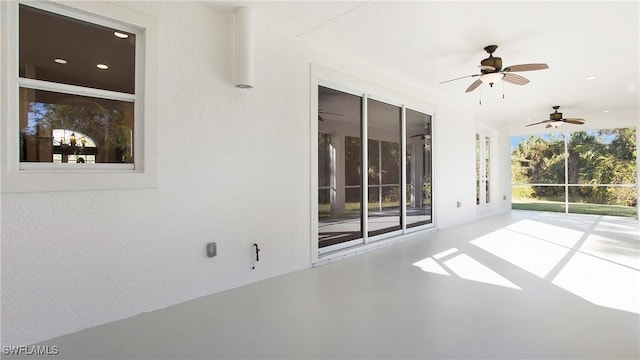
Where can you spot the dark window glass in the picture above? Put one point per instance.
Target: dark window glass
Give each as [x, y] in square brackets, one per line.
[418, 177]
[64, 50]
[339, 167]
[383, 167]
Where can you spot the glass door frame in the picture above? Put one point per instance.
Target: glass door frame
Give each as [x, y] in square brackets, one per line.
[366, 91]
[484, 144]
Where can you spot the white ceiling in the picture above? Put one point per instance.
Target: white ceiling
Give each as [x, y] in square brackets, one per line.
[427, 42]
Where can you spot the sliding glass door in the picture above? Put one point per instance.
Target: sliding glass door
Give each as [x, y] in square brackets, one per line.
[339, 167]
[383, 132]
[394, 191]
[418, 174]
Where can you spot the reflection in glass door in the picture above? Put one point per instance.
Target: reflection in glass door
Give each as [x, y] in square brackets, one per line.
[339, 167]
[383, 130]
[418, 177]
[393, 192]
[483, 171]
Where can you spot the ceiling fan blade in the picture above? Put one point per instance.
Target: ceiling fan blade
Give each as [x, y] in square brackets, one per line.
[574, 121]
[423, 135]
[526, 67]
[515, 79]
[474, 85]
[462, 77]
[321, 111]
[541, 122]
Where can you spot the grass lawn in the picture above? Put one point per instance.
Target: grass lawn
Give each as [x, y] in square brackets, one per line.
[522, 204]
[353, 209]
[576, 208]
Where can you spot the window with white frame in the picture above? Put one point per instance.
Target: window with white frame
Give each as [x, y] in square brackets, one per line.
[75, 76]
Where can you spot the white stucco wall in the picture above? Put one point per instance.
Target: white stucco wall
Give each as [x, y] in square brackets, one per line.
[233, 168]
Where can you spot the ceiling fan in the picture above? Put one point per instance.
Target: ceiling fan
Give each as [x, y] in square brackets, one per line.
[491, 71]
[423, 136]
[320, 111]
[556, 119]
[426, 134]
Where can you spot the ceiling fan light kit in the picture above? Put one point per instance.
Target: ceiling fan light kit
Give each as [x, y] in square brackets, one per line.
[556, 119]
[491, 71]
[491, 78]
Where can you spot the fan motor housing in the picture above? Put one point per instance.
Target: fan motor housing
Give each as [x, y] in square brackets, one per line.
[494, 62]
[556, 116]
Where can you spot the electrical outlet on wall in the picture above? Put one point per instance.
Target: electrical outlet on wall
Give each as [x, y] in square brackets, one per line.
[212, 249]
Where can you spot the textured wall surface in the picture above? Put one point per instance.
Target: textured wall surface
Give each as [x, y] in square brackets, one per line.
[233, 168]
[73, 260]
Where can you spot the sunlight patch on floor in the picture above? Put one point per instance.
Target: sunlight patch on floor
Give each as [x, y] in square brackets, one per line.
[445, 253]
[464, 266]
[468, 268]
[431, 266]
[552, 233]
[620, 226]
[601, 282]
[600, 264]
[600, 267]
[536, 256]
[620, 250]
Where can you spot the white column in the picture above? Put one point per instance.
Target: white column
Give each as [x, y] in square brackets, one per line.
[364, 165]
[338, 177]
[403, 169]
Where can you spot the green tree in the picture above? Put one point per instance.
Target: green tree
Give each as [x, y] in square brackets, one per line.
[604, 157]
[110, 128]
